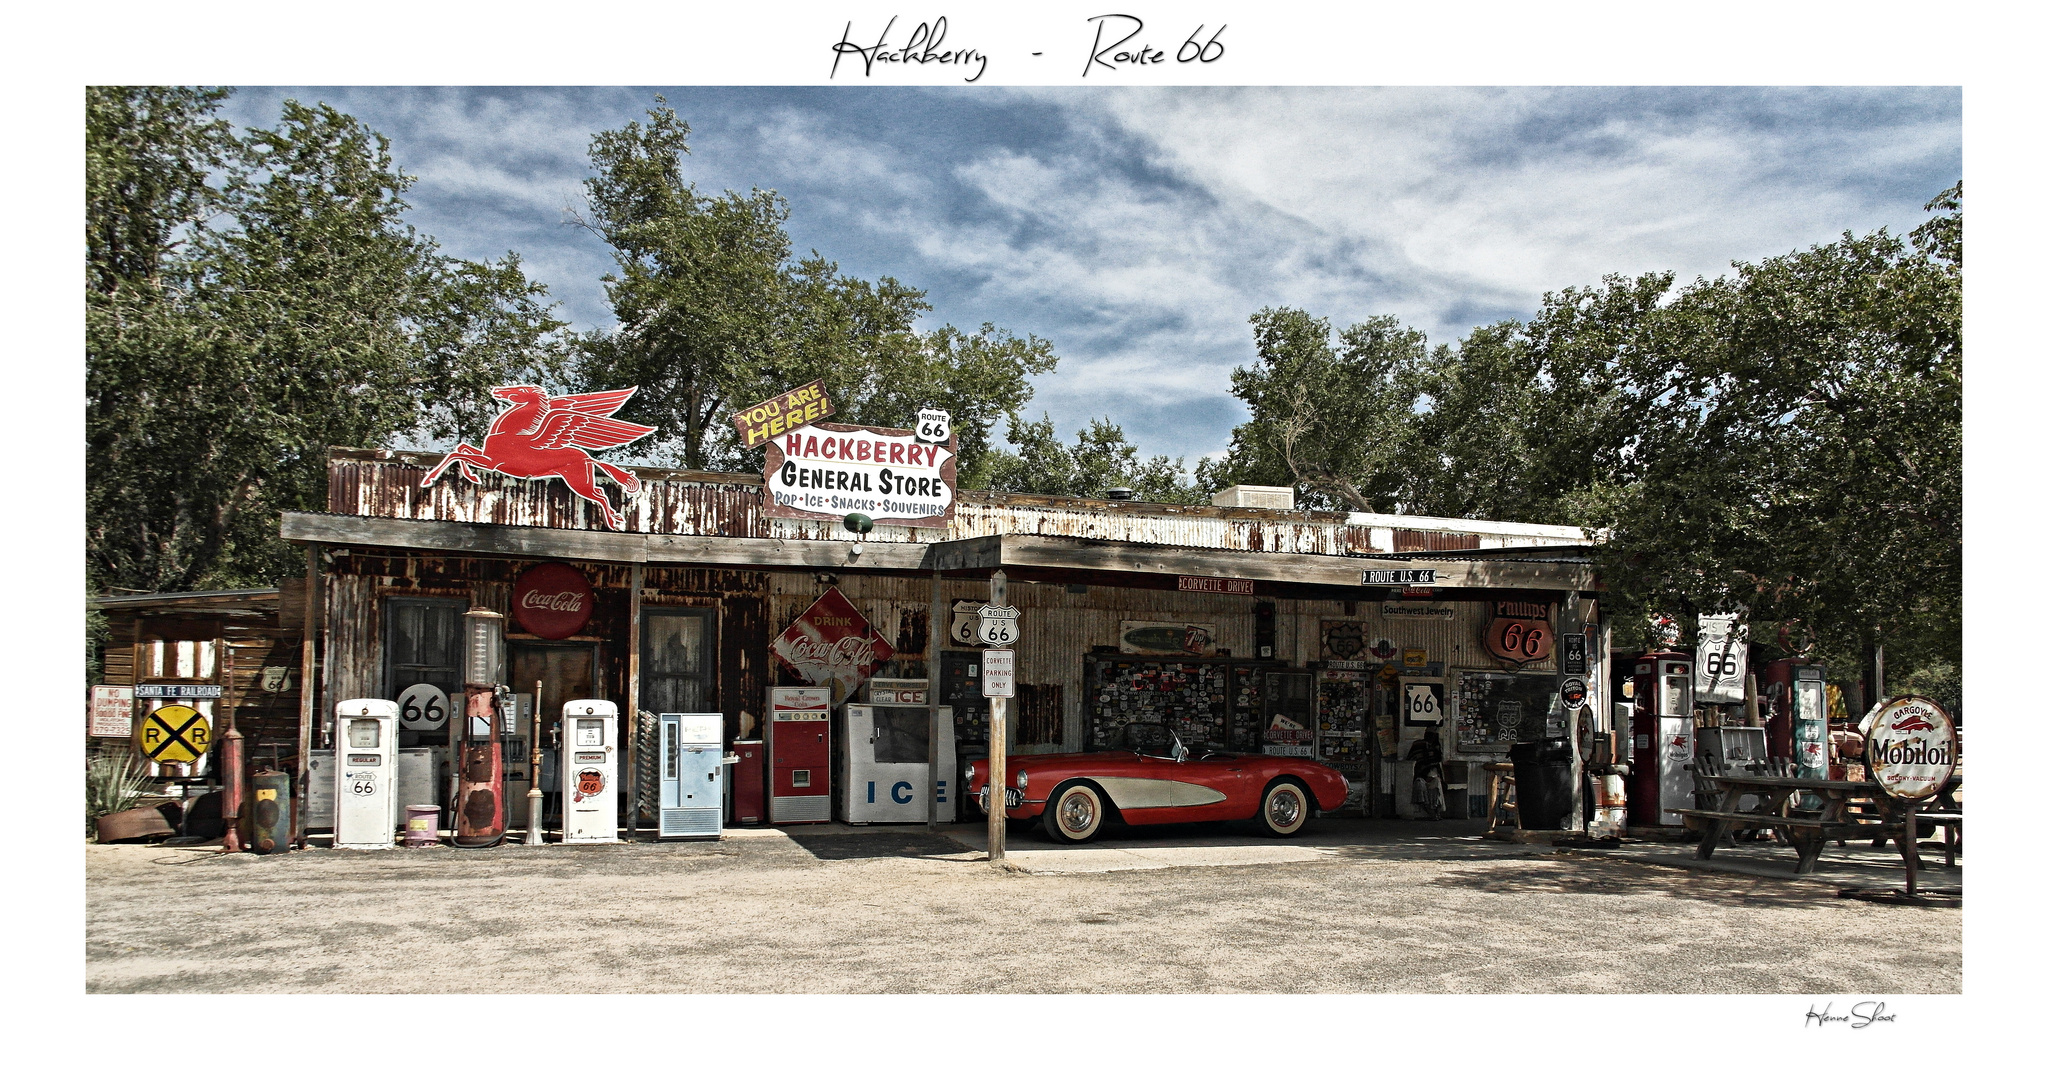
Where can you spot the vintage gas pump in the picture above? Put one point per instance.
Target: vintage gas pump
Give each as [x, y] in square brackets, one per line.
[590, 771]
[366, 790]
[480, 758]
[799, 754]
[1660, 784]
[1795, 697]
[888, 755]
[693, 769]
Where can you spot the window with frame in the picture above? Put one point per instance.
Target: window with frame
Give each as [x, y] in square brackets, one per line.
[423, 644]
[677, 648]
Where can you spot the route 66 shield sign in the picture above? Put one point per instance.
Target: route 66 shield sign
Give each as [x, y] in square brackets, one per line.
[934, 426]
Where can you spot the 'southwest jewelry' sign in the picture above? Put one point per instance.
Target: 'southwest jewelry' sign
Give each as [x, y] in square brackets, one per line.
[832, 644]
[826, 471]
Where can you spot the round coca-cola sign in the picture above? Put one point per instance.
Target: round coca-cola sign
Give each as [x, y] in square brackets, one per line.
[552, 600]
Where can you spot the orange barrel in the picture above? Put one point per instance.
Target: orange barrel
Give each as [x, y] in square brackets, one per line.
[421, 823]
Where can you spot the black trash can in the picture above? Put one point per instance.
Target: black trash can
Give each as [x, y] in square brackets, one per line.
[1543, 783]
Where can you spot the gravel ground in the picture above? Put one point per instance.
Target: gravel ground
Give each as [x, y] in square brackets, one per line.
[904, 911]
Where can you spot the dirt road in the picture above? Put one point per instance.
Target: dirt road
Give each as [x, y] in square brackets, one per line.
[873, 910]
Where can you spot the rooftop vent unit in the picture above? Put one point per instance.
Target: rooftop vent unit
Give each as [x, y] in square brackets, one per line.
[1120, 494]
[1265, 498]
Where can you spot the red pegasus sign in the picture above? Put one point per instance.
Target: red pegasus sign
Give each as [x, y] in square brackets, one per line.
[542, 436]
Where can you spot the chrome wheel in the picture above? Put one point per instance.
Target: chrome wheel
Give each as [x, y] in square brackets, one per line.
[1284, 808]
[1078, 812]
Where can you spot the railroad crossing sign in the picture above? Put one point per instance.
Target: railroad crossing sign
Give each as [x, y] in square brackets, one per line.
[176, 733]
[998, 625]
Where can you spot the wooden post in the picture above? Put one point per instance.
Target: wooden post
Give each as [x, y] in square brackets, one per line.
[939, 622]
[308, 700]
[632, 704]
[998, 754]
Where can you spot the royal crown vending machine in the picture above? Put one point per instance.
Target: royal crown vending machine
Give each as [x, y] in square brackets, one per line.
[1660, 777]
[889, 756]
[799, 754]
[367, 782]
[693, 768]
[590, 771]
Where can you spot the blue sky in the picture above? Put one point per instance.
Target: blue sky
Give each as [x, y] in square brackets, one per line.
[1138, 228]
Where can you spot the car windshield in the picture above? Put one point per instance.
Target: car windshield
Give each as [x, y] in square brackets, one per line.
[1154, 739]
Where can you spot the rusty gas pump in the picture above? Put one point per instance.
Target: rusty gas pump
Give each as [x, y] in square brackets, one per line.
[479, 757]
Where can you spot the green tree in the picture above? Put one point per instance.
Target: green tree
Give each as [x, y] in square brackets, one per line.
[713, 316]
[1101, 458]
[1330, 418]
[232, 349]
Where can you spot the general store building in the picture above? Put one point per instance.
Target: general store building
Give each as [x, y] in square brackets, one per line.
[1247, 627]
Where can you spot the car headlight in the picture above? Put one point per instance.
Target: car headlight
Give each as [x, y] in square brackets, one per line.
[970, 778]
[1023, 781]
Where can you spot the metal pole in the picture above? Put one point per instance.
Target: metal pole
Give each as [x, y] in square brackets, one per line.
[308, 700]
[535, 832]
[632, 754]
[998, 754]
[933, 657]
[231, 751]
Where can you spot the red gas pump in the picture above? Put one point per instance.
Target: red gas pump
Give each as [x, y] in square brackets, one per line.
[1660, 738]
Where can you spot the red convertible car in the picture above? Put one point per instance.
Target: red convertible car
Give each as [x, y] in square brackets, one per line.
[1154, 779]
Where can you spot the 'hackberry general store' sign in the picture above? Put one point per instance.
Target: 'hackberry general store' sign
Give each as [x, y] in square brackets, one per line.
[827, 471]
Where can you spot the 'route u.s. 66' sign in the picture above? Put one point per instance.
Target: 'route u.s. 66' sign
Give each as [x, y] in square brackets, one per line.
[827, 471]
[998, 625]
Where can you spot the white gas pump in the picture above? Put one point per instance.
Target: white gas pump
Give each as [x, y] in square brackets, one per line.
[693, 765]
[589, 770]
[366, 780]
[888, 763]
[1674, 739]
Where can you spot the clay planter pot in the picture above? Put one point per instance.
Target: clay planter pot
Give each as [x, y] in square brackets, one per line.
[131, 825]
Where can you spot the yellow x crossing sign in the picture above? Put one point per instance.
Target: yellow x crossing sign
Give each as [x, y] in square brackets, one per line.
[176, 733]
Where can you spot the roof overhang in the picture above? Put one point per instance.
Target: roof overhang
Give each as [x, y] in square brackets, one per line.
[1565, 570]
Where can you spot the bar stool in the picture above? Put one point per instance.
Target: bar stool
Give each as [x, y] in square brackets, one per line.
[1500, 795]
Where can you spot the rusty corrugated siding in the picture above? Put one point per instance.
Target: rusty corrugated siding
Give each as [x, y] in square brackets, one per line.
[673, 502]
[1426, 540]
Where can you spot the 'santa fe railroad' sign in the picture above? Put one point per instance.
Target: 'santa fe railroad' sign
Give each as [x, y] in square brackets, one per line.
[552, 600]
[1911, 748]
[541, 436]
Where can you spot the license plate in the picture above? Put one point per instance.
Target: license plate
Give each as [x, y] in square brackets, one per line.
[1012, 798]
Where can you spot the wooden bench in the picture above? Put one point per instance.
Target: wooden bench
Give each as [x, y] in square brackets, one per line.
[1808, 835]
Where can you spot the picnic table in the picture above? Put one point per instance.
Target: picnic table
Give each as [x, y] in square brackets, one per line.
[1850, 810]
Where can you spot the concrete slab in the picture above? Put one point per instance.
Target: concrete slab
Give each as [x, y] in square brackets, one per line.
[1164, 846]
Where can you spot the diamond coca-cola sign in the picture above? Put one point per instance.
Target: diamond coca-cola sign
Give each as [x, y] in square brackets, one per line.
[831, 644]
[552, 600]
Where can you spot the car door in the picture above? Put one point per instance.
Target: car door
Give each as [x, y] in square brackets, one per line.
[1211, 785]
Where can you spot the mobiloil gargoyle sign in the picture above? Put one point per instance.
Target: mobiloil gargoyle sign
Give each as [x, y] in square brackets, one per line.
[826, 471]
[541, 436]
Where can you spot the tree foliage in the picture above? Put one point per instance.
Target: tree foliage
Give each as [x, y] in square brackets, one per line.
[253, 298]
[714, 315]
[1100, 458]
[1785, 438]
[1328, 416]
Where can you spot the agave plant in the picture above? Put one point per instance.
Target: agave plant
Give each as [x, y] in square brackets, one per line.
[113, 780]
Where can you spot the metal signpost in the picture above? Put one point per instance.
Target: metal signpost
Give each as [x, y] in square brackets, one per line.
[999, 628]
